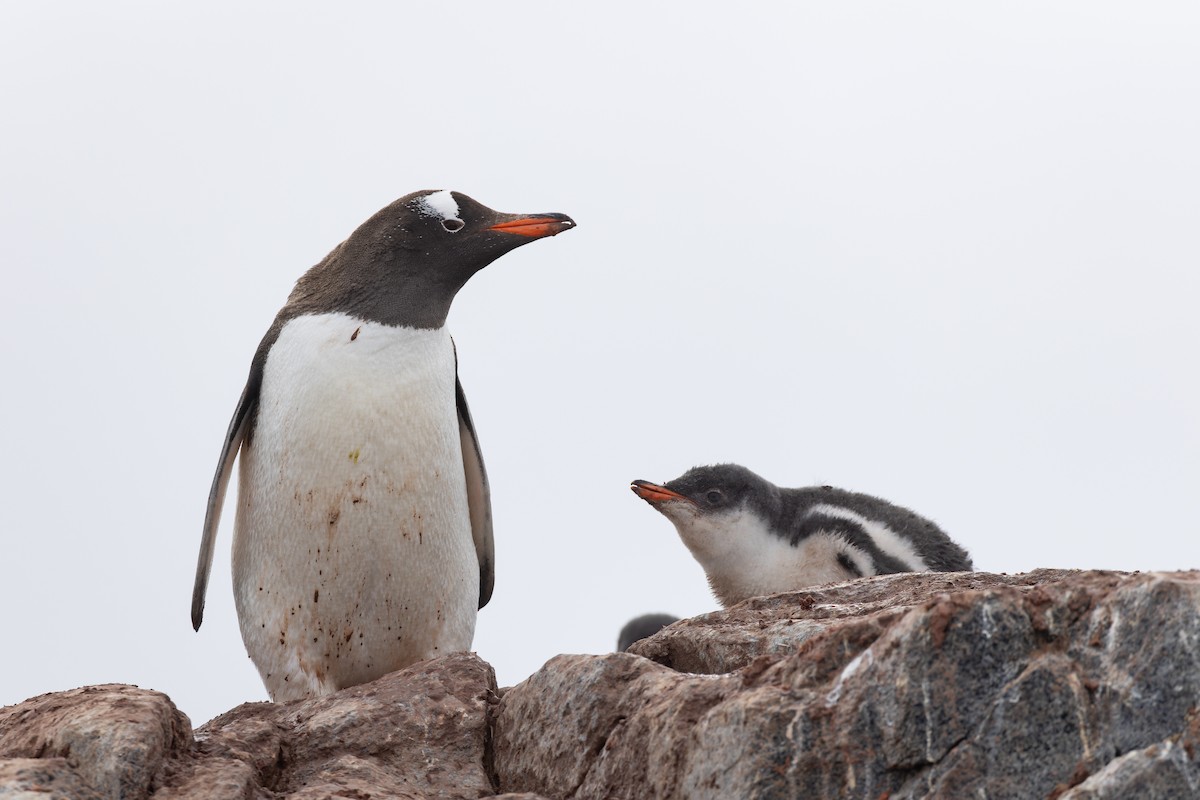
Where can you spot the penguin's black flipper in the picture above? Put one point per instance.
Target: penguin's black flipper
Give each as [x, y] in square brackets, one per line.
[239, 432]
[479, 496]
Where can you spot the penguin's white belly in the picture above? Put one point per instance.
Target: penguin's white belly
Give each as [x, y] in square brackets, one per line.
[353, 554]
[743, 558]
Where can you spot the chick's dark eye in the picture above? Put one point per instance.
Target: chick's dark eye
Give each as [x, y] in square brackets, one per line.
[453, 225]
[713, 497]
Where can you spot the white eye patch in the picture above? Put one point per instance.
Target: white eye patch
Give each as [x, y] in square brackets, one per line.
[438, 204]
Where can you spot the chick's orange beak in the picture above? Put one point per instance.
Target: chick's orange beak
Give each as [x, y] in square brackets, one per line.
[653, 493]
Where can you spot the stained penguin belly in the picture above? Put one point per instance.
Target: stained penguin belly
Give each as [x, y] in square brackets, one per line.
[353, 553]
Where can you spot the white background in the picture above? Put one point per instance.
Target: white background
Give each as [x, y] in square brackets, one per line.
[947, 255]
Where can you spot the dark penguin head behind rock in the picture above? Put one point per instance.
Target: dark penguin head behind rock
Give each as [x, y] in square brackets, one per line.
[641, 627]
[404, 265]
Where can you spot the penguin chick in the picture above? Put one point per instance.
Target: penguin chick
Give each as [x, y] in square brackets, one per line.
[754, 538]
[363, 535]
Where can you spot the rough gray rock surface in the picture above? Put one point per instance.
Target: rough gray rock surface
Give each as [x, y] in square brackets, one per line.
[909, 686]
[1163, 771]
[728, 640]
[1054, 684]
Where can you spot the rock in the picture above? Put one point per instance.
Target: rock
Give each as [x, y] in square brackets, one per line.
[1054, 684]
[44, 779]
[910, 686]
[1163, 771]
[614, 720]
[114, 740]
[421, 732]
[727, 640]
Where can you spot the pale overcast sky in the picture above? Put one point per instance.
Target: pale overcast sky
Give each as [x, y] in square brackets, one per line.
[946, 254]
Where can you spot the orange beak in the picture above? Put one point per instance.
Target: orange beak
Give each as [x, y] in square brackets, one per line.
[653, 493]
[536, 227]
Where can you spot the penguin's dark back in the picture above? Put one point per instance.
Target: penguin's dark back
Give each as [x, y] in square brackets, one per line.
[938, 550]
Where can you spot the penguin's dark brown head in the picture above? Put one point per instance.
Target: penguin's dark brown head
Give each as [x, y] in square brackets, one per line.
[463, 234]
[405, 264]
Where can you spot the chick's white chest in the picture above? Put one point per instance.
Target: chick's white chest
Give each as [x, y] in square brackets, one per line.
[743, 558]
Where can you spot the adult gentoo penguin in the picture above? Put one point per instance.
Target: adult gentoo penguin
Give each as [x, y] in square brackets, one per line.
[363, 536]
[754, 538]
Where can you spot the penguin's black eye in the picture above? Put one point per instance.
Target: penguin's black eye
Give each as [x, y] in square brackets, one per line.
[714, 497]
[453, 225]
